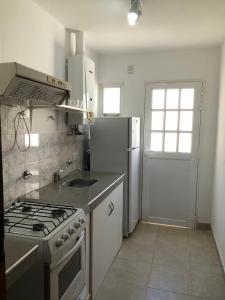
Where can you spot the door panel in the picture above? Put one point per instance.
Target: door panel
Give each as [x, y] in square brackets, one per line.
[171, 146]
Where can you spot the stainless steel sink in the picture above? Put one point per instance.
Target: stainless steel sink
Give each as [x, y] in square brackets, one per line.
[79, 182]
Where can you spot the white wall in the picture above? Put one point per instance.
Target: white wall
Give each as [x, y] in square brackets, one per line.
[31, 36]
[200, 64]
[218, 207]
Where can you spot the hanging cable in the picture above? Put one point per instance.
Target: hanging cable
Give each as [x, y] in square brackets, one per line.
[18, 118]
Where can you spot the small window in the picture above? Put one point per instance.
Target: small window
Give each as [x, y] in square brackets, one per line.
[111, 98]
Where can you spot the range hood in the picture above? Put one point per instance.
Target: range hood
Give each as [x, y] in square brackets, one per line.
[20, 85]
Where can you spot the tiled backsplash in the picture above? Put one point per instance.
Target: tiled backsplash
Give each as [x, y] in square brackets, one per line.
[52, 149]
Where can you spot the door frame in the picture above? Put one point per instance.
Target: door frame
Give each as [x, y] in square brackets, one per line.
[196, 136]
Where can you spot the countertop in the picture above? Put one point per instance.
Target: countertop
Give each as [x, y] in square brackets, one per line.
[19, 256]
[87, 198]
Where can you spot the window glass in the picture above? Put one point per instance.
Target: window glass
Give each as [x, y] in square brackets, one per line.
[156, 141]
[111, 100]
[172, 116]
[157, 120]
[158, 98]
[171, 120]
[172, 98]
[185, 142]
[186, 120]
[187, 99]
[170, 142]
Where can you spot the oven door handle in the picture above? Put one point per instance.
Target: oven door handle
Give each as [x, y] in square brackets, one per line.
[74, 249]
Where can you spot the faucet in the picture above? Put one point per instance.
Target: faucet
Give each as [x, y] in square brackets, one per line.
[57, 175]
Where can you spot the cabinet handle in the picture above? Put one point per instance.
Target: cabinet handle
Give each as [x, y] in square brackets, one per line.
[112, 206]
[111, 209]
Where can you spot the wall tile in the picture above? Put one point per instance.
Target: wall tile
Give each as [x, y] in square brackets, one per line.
[54, 149]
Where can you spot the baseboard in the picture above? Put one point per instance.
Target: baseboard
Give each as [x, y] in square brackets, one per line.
[221, 261]
[203, 226]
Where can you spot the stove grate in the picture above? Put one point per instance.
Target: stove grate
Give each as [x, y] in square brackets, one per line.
[27, 221]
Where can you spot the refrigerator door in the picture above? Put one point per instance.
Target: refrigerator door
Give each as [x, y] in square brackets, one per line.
[134, 187]
[134, 132]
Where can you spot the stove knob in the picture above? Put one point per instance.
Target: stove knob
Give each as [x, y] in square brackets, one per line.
[65, 236]
[82, 221]
[77, 225]
[59, 242]
[71, 231]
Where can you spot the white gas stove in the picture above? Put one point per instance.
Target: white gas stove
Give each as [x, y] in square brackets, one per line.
[60, 233]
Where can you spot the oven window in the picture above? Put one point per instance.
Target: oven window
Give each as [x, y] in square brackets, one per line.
[69, 272]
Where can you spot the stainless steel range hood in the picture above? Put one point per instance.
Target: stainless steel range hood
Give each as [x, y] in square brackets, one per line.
[20, 85]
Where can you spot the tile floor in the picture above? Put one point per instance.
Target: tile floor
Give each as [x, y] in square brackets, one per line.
[165, 263]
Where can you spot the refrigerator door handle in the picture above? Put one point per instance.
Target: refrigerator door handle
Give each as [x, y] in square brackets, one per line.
[130, 149]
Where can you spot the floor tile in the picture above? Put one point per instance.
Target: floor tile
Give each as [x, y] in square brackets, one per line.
[171, 279]
[125, 292]
[173, 232]
[134, 251]
[200, 239]
[204, 255]
[165, 263]
[145, 234]
[154, 294]
[171, 254]
[208, 285]
[129, 272]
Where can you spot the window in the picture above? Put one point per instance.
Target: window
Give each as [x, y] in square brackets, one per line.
[111, 100]
[172, 112]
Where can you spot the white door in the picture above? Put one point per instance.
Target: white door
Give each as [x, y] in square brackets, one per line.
[171, 146]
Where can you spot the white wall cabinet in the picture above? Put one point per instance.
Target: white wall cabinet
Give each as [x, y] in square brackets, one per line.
[106, 235]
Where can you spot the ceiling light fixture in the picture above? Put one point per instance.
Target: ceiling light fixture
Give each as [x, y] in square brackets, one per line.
[134, 12]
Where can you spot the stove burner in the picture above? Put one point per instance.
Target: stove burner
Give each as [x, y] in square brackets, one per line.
[6, 221]
[26, 208]
[58, 212]
[38, 226]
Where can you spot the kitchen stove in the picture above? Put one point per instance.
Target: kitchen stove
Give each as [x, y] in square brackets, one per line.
[36, 219]
[60, 233]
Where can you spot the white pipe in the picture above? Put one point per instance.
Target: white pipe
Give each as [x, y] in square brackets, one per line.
[80, 42]
[72, 43]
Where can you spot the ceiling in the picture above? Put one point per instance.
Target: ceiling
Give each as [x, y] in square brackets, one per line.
[164, 23]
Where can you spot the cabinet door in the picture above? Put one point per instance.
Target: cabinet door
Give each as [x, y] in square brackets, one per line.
[106, 235]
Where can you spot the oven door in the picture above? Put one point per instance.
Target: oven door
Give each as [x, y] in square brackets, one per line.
[67, 276]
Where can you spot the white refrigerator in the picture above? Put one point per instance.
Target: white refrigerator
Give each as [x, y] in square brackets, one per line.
[115, 147]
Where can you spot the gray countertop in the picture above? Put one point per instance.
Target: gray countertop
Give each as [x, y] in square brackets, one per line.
[19, 256]
[87, 198]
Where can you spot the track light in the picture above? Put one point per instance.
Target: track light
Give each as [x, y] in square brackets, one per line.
[134, 12]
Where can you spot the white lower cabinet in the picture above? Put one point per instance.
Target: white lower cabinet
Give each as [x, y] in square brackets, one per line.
[107, 235]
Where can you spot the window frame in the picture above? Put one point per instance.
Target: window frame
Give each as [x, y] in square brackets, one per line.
[197, 85]
[110, 85]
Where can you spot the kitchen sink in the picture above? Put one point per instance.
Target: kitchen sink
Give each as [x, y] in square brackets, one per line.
[79, 182]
